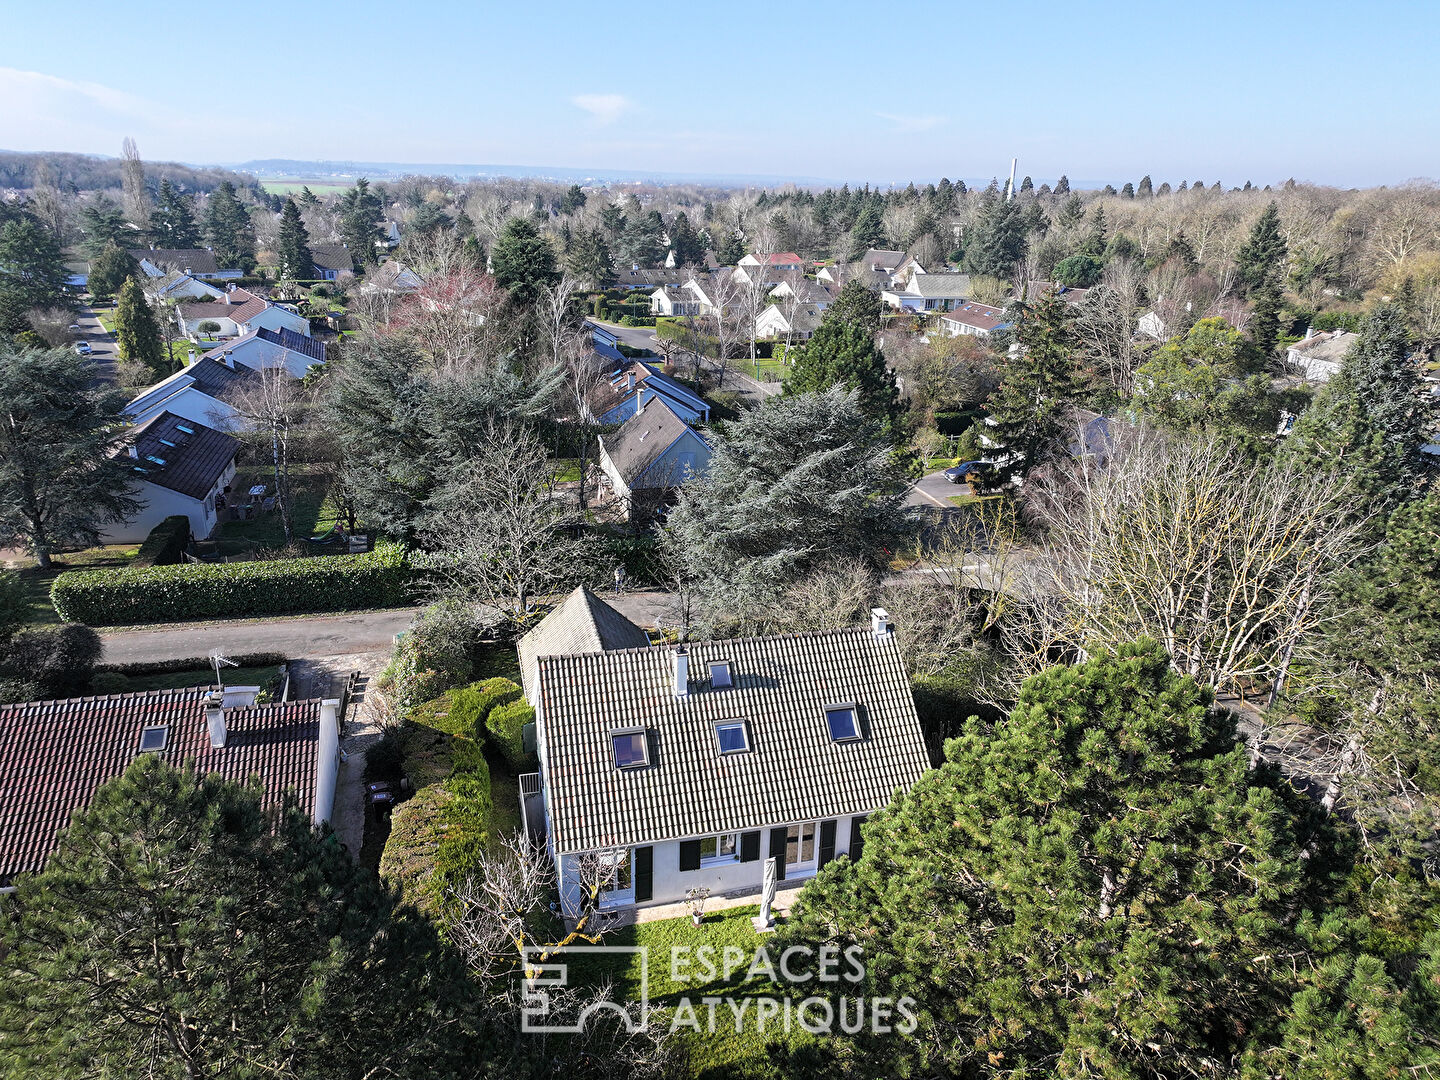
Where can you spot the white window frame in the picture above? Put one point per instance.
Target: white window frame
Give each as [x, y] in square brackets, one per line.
[720, 857]
[744, 731]
[724, 666]
[644, 761]
[854, 720]
[801, 865]
[612, 893]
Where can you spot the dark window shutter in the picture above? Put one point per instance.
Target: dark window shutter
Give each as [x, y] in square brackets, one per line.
[857, 842]
[642, 873]
[777, 850]
[750, 847]
[827, 842]
[689, 854]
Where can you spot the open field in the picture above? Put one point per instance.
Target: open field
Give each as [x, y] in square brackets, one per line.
[292, 187]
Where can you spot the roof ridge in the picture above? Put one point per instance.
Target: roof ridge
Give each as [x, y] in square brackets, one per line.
[834, 631]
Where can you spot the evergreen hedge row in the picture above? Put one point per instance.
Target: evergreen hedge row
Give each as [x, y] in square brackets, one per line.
[379, 579]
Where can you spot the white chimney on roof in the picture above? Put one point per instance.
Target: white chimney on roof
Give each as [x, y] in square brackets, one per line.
[630, 381]
[327, 760]
[133, 451]
[215, 719]
[880, 622]
[682, 672]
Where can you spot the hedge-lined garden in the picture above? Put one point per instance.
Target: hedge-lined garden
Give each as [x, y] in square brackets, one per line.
[379, 579]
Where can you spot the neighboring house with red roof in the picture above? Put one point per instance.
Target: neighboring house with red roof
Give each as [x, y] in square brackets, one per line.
[55, 754]
[178, 466]
[768, 267]
[238, 312]
[977, 320]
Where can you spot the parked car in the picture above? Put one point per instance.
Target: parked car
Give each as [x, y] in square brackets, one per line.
[971, 472]
[83, 348]
[74, 328]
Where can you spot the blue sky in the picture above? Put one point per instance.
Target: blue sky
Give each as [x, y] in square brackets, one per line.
[1191, 89]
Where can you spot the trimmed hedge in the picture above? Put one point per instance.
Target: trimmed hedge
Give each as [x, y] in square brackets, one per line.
[470, 708]
[166, 544]
[382, 578]
[192, 663]
[505, 729]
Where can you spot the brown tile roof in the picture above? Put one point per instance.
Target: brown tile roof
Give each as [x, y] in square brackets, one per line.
[54, 754]
[980, 316]
[235, 300]
[189, 461]
[189, 260]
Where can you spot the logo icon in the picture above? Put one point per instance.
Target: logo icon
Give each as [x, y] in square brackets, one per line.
[541, 999]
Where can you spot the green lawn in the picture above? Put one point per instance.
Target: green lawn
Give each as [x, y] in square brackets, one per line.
[311, 512]
[38, 582]
[567, 469]
[238, 676]
[765, 370]
[973, 500]
[727, 1053]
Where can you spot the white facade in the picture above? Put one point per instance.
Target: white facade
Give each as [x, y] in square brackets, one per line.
[278, 318]
[160, 503]
[259, 354]
[178, 395]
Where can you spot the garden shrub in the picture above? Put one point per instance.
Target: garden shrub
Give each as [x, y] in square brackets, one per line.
[505, 727]
[166, 544]
[109, 682]
[50, 661]
[381, 578]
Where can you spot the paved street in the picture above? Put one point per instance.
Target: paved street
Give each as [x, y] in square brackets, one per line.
[296, 638]
[934, 490]
[102, 345]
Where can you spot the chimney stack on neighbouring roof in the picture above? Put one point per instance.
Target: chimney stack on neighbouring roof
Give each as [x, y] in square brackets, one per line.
[682, 672]
[134, 451]
[215, 719]
[630, 381]
[880, 622]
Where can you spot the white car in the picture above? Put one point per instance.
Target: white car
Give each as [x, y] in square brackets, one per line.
[83, 348]
[75, 328]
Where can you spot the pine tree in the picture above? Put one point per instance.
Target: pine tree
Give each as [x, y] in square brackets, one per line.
[573, 201]
[109, 271]
[1028, 408]
[868, 231]
[843, 353]
[293, 245]
[32, 269]
[1265, 316]
[1027, 185]
[1260, 258]
[589, 259]
[308, 198]
[361, 212]
[229, 228]
[730, 249]
[857, 305]
[103, 225]
[233, 941]
[999, 239]
[1128, 191]
[1062, 186]
[172, 222]
[685, 242]
[523, 260]
[1096, 886]
[1072, 212]
[59, 482]
[137, 334]
[644, 241]
[1145, 188]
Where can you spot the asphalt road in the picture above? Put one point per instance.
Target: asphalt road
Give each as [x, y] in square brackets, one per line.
[102, 345]
[934, 490]
[297, 638]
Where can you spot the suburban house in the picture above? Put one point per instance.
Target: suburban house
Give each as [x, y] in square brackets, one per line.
[812, 293]
[180, 286]
[639, 278]
[1319, 356]
[665, 768]
[394, 276]
[673, 301]
[628, 386]
[1034, 290]
[57, 753]
[178, 466]
[703, 293]
[238, 312]
[651, 455]
[198, 392]
[886, 262]
[331, 261]
[797, 325]
[1152, 325]
[929, 292]
[262, 348]
[197, 262]
[977, 320]
[783, 263]
[389, 234]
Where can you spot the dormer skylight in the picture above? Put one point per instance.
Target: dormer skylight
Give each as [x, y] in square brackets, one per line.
[154, 738]
[733, 736]
[630, 748]
[843, 723]
[720, 674]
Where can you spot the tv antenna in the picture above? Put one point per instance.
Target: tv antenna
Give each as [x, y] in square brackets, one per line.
[216, 660]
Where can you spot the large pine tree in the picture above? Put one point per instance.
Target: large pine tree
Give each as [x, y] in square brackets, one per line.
[842, 352]
[296, 261]
[137, 333]
[360, 214]
[172, 222]
[1028, 408]
[229, 228]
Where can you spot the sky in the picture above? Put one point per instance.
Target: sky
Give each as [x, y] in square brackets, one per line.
[861, 92]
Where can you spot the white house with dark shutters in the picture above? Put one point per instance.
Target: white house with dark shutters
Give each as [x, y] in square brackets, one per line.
[689, 766]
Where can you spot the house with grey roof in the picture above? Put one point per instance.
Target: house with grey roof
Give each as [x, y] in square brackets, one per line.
[928, 292]
[197, 262]
[177, 285]
[665, 768]
[650, 456]
[264, 348]
[332, 261]
[1319, 356]
[627, 387]
[177, 466]
[200, 392]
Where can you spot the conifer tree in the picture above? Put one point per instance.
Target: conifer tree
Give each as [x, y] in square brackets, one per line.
[137, 334]
[360, 214]
[172, 222]
[296, 261]
[868, 231]
[229, 228]
[523, 260]
[1145, 188]
[1028, 408]
[1062, 186]
[1260, 258]
[843, 353]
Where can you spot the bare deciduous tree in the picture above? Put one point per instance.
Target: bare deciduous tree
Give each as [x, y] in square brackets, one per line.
[271, 405]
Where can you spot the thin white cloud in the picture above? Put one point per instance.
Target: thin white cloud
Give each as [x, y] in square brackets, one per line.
[605, 108]
[910, 124]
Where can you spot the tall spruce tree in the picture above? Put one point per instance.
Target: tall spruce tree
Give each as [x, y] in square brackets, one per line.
[296, 261]
[1260, 258]
[32, 268]
[102, 225]
[998, 241]
[137, 333]
[172, 222]
[360, 214]
[59, 484]
[109, 271]
[868, 230]
[523, 260]
[843, 353]
[229, 228]
[1028, 408]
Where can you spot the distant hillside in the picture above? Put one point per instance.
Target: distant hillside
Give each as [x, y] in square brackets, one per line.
[291, 169]
[87, 172]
